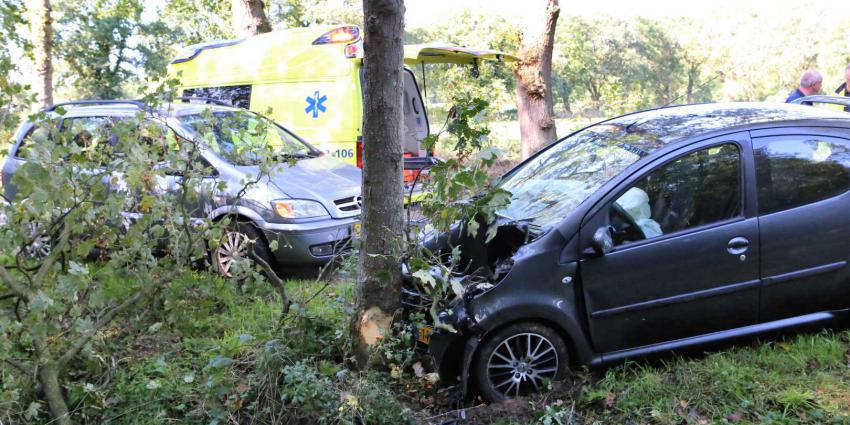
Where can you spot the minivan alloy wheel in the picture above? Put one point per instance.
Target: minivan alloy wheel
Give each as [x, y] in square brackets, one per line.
[522, 363]
[235, 246]
[40, 247]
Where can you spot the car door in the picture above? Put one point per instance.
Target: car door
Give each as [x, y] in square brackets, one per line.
[804, 217]
[685, 259]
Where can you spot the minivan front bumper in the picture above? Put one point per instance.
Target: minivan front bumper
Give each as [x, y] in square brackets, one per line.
[309, 243]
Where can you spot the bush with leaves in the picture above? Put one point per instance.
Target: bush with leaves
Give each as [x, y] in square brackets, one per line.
[458, 193]
[92, 234]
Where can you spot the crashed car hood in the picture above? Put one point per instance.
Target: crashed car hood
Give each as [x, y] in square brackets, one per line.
[322, 179]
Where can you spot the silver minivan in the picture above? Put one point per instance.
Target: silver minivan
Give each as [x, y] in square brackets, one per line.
[308, 205]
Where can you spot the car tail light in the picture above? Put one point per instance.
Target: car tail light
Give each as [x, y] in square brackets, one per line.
[359, 153]
[353, 50]
[344, 34]
[410, 175]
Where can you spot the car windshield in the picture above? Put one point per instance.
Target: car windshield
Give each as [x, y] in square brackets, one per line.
[548, 187]
[245, 138]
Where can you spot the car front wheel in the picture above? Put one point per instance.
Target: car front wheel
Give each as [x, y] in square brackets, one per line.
[519, 359]
[238, 245]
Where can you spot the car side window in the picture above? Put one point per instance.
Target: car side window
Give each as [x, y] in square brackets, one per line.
[39, 133]
[239, 96]
[797, 170]
[700, 188]
[90, 133]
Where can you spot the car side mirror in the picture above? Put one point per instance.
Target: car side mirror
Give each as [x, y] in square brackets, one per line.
[603, 240]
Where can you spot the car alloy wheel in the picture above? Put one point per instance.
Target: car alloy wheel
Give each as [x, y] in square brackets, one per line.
[522, 363]
[518, 360]
[235, 247]
[40, 247]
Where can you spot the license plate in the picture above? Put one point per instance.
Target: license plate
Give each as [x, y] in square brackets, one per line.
[355, 230]
[424, 334]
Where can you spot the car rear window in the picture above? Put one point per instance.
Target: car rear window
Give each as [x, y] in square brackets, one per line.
[797, 170]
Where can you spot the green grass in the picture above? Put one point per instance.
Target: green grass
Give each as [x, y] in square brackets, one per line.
[214, 350]
[804, 379]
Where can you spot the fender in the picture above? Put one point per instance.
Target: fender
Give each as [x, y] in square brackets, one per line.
[547, 313]
[235, 209]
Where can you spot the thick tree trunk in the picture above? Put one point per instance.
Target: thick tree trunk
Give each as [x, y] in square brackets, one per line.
[249, 17]
[379, 286]
[44, 55]
[534, 79]
[48, 376]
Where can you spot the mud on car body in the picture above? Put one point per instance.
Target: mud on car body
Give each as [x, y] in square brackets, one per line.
[662, 229]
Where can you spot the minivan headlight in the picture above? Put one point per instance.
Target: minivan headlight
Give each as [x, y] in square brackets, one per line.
[298, 208]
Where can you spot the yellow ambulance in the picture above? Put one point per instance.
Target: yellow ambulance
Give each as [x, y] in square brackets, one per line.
[310, 80]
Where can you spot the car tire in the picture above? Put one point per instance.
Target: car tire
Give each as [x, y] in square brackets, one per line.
[518, 359]
[236, 243]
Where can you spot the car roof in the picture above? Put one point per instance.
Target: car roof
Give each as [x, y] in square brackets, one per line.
[652, 129]
[164, 110]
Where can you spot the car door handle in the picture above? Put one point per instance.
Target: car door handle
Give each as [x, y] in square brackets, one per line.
[738, 245]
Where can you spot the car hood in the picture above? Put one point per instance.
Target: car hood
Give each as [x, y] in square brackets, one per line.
[321, 179]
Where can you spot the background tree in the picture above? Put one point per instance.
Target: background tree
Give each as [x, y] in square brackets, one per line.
[108, 48]
[534, 78]
[200, 20]
[379, 283]
[44, 54]
[249, 17]
[305, 13]
[14, 95]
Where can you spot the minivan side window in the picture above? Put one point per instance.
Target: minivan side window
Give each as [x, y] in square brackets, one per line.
[40, 132]
[700, 188]
[91, 133]
[797, 170]
[238, 96]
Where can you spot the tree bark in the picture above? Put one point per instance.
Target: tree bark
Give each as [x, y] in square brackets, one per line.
[249, 17]
[534, 79]
[44, 54]
[379, 281]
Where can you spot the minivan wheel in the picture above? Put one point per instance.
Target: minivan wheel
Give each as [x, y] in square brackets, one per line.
[236, 245]
[518, 360]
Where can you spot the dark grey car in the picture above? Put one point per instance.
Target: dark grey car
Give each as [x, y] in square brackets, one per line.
[652, 231]
[309, 204]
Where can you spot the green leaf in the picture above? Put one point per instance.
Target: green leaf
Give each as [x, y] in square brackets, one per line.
[457, 288]
[472, 228]
[77, 269]
[425, 277]
[32, 410]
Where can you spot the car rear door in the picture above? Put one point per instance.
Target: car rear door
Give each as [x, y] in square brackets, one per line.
[686, 254]
[803, 179]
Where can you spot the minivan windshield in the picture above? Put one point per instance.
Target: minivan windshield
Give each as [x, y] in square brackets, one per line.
[244, 138]
[548, 187]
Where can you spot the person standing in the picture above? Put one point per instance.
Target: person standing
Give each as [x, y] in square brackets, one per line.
[810, 84]
[844, 88]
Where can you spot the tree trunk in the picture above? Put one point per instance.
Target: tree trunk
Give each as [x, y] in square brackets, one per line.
[379, 286]
[249, 17]
[534, 78]
[48, 375]
[44, 53]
